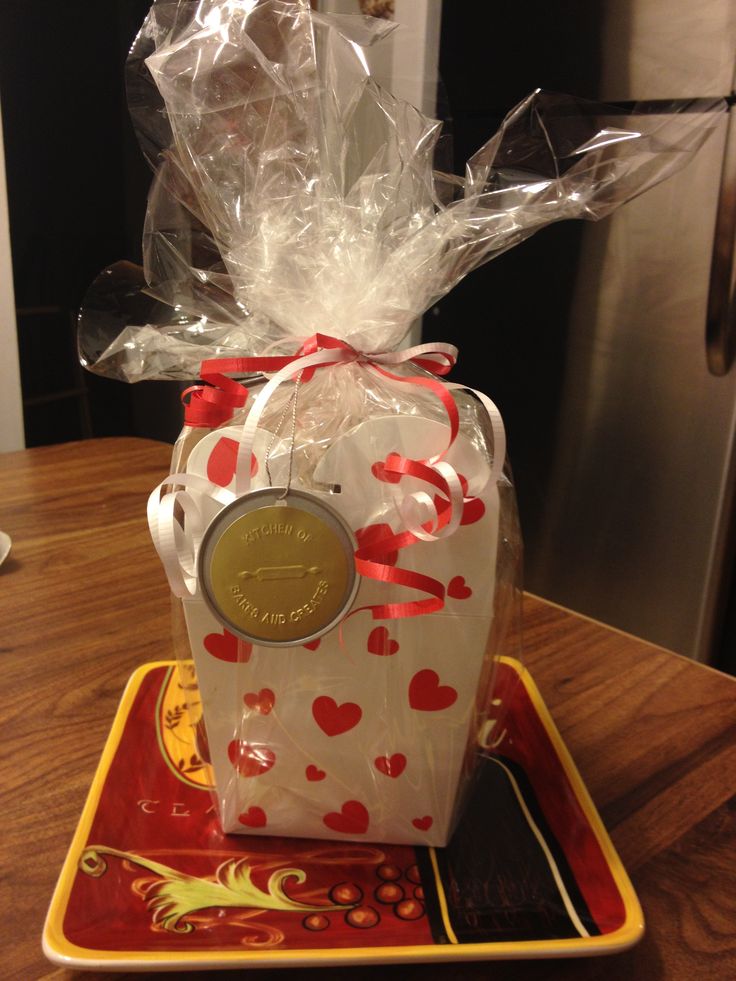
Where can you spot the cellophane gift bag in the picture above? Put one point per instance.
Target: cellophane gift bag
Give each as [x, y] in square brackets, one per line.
[338, 525]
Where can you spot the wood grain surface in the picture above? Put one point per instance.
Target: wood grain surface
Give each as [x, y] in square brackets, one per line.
[83, 601]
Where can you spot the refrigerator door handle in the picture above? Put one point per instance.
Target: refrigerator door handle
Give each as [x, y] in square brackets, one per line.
[720, 327]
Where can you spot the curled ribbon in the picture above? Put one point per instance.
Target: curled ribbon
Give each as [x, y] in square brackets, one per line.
[222, 395]
[210, 406]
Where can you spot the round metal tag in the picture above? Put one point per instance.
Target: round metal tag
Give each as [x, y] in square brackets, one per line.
[278, 573]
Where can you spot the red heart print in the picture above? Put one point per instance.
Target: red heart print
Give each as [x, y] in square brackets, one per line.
[426, 694]
[334, 719]
[423, 823]
[313, 644]
[314, 773]
[391, 766]
[262, 701]
[250, 760]
[380, 473]
[222, 460]
[226, 647]
[380, 643]
[352, 819]
[457, 588]
[254, 817]
[473, 510]
[371, 535]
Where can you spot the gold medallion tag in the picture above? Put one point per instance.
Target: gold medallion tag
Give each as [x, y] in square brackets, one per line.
[278, 573]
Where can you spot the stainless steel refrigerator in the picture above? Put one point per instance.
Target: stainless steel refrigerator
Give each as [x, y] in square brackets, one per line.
[592, 337]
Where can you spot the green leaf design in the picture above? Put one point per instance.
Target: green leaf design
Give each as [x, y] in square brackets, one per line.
[178, 894]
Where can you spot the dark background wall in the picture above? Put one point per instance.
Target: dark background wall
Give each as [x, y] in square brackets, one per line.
[487, 66]
[77, 188]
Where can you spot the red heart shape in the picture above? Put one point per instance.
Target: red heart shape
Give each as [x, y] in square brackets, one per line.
[371, 535]
[313, 644]
[473, 510]
[352, 819]
[262, 701]
[248, 760]
[380, 473]
[335, 719]
[426, 694]
[254, 817]
[314, 773]
[380, 643]
[457, 589]
[226, 647]
[391, 766]
[222, 460]
[423, 823]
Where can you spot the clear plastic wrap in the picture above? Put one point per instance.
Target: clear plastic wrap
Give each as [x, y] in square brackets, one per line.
[296, 216]
[294, 195]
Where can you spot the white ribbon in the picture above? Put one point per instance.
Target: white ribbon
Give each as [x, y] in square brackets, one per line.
[336, 355]
[178, 548]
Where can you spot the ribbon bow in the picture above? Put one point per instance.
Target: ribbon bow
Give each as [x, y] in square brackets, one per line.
[423, 519]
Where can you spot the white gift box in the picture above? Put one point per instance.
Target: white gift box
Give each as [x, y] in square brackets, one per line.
[365, 733]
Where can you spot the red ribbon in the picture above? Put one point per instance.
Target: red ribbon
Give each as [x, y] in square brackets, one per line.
[210, 406]
[213, 404]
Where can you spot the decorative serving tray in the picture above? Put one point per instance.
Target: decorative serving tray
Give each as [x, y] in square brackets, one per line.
[150, 882]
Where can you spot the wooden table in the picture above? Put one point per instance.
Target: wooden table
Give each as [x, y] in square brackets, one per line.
[83, 601]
